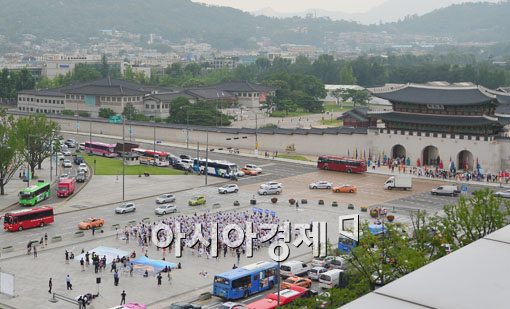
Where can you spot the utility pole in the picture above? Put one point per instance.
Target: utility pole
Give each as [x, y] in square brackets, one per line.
[256, 135]
[123, 155]
[206, 155]
[154, 146]
[187, 127]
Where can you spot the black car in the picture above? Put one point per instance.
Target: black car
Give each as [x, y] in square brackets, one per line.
[179, 166]
[81, 177]
[184, 306]
[78, 160]
[183, 156]
[71, 143]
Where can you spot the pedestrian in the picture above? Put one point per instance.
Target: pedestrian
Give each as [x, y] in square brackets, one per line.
[68, 283]
[50, 286]
[82, 263]
[238, 253]
[123, 297]
[131, 270]
[159, 278]
[35, 251]
[169, 274]
[297, 205]
[87, 258]
[116, 278]
[45, 239]
[67, 257]
[93, 230]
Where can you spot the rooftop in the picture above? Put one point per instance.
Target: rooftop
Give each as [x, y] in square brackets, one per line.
[437, 119]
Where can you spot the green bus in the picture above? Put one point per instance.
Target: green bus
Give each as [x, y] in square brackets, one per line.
[35, 194]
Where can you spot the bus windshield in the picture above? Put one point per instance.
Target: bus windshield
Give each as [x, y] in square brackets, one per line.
[221, 280]
[25, 195]
[62, 189]
[8, 220]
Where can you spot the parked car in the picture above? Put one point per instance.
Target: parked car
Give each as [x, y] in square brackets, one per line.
[253, 167]
[125, 208]
[345, 189]
[270, 191]
[71, 143]
[336, 263]
[188, 163]
[165, 198]
[316, 272]
[67, 163]
[445, 190]
[294, 268]
[180, 166]
[186, 157]
[81, 177]
[504, 194]
[247, 171]
[322, 261]
[78, 160]
[83, 168]
[183, 305]
[230, 188]
[91, 223]
[294, 280]
[66, 152]
[321, 185]
[271, 184]
[232, 305]
[197, 200]
[164, 209]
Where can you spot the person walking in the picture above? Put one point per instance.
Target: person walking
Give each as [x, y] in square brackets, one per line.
[82, 263]
[93, 230]
[67, 257]
[35, 251]
[50, 286]
[68, 283]
[159, 278]
[115, 278]
[297, 205]
[123, 297]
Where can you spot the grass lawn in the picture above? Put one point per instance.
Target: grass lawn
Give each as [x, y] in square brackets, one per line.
[113, 166]
[289, 114]
[293, 157]
[332, 107]
[332, 122]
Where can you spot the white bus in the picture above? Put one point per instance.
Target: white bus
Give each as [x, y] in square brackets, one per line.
[215, 168]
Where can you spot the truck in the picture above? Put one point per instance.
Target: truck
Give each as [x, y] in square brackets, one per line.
[126, 147]
[66, 187]
[404, 182]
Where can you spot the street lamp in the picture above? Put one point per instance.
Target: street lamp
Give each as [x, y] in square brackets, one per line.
[123, 156]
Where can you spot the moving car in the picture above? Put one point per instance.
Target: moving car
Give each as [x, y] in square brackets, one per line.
[231, 188]
[271, 184]
[294, 268]
[183, 305]
[232, 305]
[322, 261]
[125, 207]
[253, 167]
[504, 194]
[91, 223]
[247, 171]
[81, 177]
[445, 190]
[316, 272]
[196, 200]
[78, 160]
[66, 152]
[59, 156]
[165, 209]
[71, 143]
[336, 263]
[63, 176]
[165, 198]
[269, 190]
[81, 146]
[67, 163]
[321, 185]
[345, 189]
[83, 168]
[294, 280]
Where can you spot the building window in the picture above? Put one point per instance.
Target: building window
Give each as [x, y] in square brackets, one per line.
[157, 106]
[147, 106]
[37, 100]
[107, 99]
[81, 97]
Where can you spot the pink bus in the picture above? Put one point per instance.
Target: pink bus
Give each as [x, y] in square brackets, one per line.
[100, 149]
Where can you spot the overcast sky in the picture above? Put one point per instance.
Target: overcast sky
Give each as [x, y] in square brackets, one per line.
[348, 6]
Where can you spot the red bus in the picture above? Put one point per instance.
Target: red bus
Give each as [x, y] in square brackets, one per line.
[286, 297]
[100, 149]
[341, 164]
[156, 158]
[28, 218]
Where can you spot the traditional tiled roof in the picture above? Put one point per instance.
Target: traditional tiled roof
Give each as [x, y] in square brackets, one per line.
[43, 92]
[458, 94]
[411, 118]
[210, 94]
[243, 86]
[168, 97]
[358, 113]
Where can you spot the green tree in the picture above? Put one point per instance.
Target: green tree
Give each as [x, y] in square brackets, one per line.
[10, 146]
[36, 132]
[85, 73]
[105, 67]
[128, 73]
[193, 69]
[129, 111]
[357, 97]
[337, 94]
[67, 112]
[347, 76]
[106, 112]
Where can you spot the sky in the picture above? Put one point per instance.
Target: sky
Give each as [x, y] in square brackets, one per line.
[291, 6]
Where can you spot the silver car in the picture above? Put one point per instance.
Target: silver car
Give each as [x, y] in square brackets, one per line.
[321, 185]
[316, 272]
[165, 198]
[125, 208]
[231, 188]
[164, 209]
[504, 194]
[269, 191]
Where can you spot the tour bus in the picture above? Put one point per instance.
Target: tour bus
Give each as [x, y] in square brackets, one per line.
[341, 164]
[150, 157]
[35, 193]
[244, 281]
[100, 149]
[345, 244]
[215, 168]
[28, 218]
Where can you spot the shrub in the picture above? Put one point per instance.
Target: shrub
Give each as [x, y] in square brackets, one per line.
[364, 208]
[67, 112]
[321, 202]
[84, 114]
[390, 218]
[374, 213]
[292, 201]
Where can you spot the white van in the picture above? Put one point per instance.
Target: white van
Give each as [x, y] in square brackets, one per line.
[445, 190]
[187, 163]
[294, 268]
[331, 278]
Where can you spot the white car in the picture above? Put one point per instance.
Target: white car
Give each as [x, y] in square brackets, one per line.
[232, 305]
[81, 146]
[253, 167]
[239, 174]
[83, 168]
[321, 185]
[125, 207]
[504, 194]
[164, 209]
[67, 163]
[322, 261]
[270, 191]
[316, 272]
[231, 188]
[271, 184]
[59, 156]
[63, 176]
[66, 152]
[165, 198]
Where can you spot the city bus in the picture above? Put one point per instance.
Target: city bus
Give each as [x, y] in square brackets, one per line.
[287, 296]
[150, 157]
[341, 164]
[100, 149]
[244, 281]
[28, 218]
[215, 168]
[346, 244]
[34, 194]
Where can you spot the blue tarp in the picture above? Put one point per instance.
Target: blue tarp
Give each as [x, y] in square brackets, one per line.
[152, 266]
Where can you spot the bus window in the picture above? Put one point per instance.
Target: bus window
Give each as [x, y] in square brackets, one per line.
[221, 280]
[241, 282]
[8, 220]
[24, 195]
